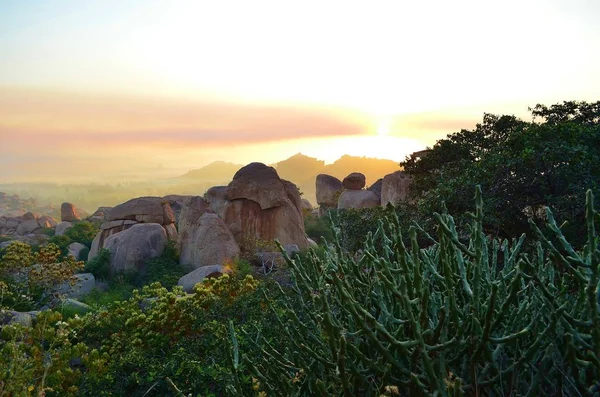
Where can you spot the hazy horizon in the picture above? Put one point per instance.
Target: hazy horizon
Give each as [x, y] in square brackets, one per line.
[114, 91]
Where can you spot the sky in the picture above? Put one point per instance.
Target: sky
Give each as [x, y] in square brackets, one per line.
[124, 90]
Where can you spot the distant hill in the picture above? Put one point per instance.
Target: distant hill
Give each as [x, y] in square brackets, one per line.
[219, 171]
[303, 170]
[300, 169]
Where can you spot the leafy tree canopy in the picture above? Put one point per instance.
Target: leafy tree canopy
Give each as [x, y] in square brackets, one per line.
[522, 166]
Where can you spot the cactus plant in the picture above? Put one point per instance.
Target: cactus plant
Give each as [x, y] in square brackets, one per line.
[469, 316]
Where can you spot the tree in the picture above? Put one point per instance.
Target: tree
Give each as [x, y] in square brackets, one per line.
[521, 166]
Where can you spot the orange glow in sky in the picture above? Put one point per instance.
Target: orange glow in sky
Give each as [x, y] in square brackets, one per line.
[116, 85]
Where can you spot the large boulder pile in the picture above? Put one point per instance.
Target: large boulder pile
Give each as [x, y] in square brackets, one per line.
[204, 239]
[125, 216]
[353, 197]
[27, 224]
[262, 205]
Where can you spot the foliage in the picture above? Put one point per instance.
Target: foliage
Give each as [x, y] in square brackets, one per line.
[99, 265]
[32, 275]
[480, 318]
[318, 228]
[521, 166]
[37, 361]
[159, 334]
[82, 232]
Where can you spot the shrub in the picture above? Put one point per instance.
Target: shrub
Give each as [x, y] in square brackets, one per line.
[318, 228]
[82, 232]
[481, 318]
[99, 266]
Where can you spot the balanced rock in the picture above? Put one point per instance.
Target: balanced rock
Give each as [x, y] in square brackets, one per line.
[395, 188]
[354, 181]
[260, 205]
[357, 199]
[69, 213]
[259, 183]
[131, 248]
[328, 189]
[197, 276]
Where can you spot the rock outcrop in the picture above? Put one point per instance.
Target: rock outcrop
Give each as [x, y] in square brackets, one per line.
[69, 213]
[328, 190]
[81, 285]
[216, 197]
[395, 188]
[141, 210]
[131, 248]
[261, 205]
[354, 181]
[75, 250]
[203, 239]
[357, 199]
[376, 187]
[62, 228]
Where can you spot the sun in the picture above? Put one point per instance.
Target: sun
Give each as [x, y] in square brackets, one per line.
[383, 129]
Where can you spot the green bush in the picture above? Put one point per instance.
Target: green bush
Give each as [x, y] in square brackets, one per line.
[479, 318]
[99, 266]
[82, 232]
[318, 228]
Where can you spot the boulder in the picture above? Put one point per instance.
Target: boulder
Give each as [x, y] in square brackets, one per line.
[197, 276]
[306, 206]
[356, 199]
[29, 216]
[354, 181]
[395, 188]
[74, 306]
[11, 317]
[143, 210]
[216, 199]
[259, 183]
[278, 217]
[205, 241]
[69, 213]
[176, 202]
[27, 227]
[328, 188]
[376, 187]
[95, 246]
[312, 243]
[62, 228]
[47, 222]
[80, 285]
[75, 249]
[131, 248]
[101, 212]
